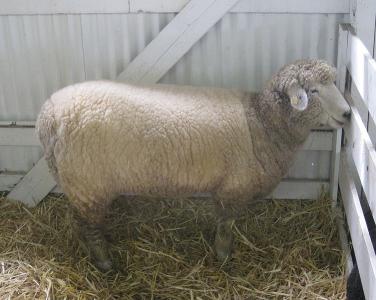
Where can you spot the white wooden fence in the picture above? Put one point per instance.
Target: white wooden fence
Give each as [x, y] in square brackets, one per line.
[358, 161]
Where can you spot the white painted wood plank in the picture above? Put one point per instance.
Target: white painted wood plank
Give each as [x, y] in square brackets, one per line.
[27, 7]
[363, 20]
[337, 134]
[195, 19]
[358, 102]
[343, 35]
[34, 186]
[18, 137]
[362, 244]
[334, 168]
[319, 140]
[345, 245]
[363, 154]
[363, 72]
[299, 189]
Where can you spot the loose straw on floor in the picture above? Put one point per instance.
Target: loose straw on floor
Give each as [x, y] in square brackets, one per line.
[283, 250]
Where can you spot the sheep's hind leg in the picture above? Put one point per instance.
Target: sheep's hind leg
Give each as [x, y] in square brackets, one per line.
[90, 228]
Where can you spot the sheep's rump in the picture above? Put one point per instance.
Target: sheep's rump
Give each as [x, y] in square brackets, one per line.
[161, 140]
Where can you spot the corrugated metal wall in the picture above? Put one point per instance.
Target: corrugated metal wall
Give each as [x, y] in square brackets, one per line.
[41, 53]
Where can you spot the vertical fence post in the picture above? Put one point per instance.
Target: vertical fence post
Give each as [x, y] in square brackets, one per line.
[337, 134]
[336, 150]
[335, 159]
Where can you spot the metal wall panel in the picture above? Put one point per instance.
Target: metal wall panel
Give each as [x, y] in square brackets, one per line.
[111, 41]
[244, 50]
[39, 54]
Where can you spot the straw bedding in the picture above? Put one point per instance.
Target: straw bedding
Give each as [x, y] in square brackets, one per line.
[284, 250]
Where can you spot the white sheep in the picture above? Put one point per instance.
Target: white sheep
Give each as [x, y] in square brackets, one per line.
[102, 139]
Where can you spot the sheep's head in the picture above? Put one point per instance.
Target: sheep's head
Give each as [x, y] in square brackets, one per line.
[309, 86]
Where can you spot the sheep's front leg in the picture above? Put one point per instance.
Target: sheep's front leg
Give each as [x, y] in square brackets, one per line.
[224, 238]
[96, 245]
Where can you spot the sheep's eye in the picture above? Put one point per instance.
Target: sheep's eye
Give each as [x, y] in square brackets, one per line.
[314, 91]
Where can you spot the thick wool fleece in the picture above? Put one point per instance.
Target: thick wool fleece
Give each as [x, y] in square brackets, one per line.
[103, 138]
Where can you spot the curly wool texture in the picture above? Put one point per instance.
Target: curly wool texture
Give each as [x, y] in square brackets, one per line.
[103, 138]
[303, 73]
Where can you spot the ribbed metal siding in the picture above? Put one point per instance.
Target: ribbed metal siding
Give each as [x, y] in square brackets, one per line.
[111, 41]
[244, 50]
[40, 54]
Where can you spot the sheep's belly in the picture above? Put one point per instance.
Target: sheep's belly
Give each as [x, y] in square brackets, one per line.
[172, 175]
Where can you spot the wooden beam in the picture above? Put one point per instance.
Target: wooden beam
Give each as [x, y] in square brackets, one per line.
[194, 20]
[362, 244]
[337, 134]
[34, 186]
[40, 7]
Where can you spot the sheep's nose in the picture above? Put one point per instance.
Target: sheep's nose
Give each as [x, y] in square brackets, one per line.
[347, 115]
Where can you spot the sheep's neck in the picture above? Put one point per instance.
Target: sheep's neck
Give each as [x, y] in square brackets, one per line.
[285, 126]
[284, 133]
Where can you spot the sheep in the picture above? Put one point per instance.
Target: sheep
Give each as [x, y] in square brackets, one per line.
[102, 139]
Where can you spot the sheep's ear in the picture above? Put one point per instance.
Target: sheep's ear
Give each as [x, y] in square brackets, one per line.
[298, 98]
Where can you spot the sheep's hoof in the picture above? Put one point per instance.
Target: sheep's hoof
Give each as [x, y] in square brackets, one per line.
[224, 239]
[223, 249]
[104, 266]
[98, 252]
[95, 245]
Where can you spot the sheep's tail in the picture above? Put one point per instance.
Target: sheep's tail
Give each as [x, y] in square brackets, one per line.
[46, 130]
